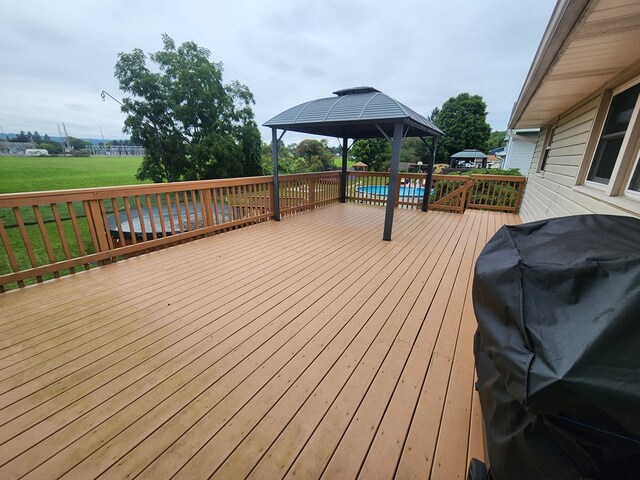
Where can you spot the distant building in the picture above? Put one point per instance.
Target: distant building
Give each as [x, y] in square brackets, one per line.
[494, 161]
[520, 147]
[360, 167]
[469, 158]
[36, 152]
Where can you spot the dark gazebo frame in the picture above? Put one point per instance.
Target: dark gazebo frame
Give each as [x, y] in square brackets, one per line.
[357, 113]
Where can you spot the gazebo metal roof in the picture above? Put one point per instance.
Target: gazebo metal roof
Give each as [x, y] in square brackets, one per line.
[359, 112]
[469, 153]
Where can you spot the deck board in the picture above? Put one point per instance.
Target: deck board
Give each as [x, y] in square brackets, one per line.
[304, 348]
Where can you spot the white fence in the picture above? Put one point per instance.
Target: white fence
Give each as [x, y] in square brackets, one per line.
[15, 149]
[116, 150]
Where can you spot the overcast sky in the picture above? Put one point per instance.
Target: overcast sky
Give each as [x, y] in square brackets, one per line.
[58, 56]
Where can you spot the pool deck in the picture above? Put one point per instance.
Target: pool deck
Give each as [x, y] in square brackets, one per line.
[306, 348]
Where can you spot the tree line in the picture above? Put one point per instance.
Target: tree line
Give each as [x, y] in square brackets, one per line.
[194, 126]
[55, 147]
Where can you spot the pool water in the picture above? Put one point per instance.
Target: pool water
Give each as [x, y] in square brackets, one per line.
[383, 190]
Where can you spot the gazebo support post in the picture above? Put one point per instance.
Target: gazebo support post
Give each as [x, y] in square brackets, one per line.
[343, 177]
[393, 181]
[427, 185]
[274, 158]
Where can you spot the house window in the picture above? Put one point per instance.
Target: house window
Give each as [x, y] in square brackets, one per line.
[546, 146]
[545, 157]
[613, 134]
[634, 184]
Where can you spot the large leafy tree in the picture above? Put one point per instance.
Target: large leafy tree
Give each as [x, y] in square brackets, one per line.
[496, 139]
[191, 124]
[375, 152]
[316, 155]
[464, 121]
[414, 150]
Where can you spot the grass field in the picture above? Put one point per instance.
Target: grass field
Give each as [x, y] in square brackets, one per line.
[337, 161]
[31, 174]
[24, 174]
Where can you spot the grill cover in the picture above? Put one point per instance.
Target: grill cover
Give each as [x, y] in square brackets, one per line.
[558, 348]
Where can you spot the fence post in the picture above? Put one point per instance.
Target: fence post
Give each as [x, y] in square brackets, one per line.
[468, 188]
[97, 223]
[521, 186]
[312, 191]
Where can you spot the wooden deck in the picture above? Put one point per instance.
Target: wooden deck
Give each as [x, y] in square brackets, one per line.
[303, 349]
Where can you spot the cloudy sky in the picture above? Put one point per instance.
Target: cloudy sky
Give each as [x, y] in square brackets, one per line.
[58, 56]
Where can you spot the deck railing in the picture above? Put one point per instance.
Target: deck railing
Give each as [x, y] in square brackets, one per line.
[451, 193]
[307, 190]
[46, 234]
[495, 192]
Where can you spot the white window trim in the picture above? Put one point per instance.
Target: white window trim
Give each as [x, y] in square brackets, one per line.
[616, 192]
[549, 132]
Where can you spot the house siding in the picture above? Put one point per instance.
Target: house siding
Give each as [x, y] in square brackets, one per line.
[520, 152]
[551, 193]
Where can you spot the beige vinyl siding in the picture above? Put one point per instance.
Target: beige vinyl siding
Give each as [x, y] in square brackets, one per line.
[551, 193]
[520, 151]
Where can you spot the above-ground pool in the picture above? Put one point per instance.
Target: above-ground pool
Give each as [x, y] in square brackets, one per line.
[163, 219]
[383, 190]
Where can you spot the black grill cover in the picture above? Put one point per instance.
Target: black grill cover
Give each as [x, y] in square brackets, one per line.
[558, 348]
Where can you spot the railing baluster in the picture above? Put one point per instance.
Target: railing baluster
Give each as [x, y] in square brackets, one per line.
[26, 240]
[89, 206]
[172, 223]
[187, 210]
[61, 234]
[132, 230]
[180, 225]
[45, 238]
[9, 250]
[152, 220]
[214, 195]
[116, 215]
[160, 208]
[141, 219]
[76, 231]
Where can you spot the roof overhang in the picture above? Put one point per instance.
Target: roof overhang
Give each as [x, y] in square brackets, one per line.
[587, 43]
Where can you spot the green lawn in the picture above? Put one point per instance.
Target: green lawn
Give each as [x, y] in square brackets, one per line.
[24, 174]
[32, 174]
[337, 161]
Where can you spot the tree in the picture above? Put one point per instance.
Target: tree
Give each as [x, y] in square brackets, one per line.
[22, 137]
[316, 154]
[191, 124]
[463, 120]
[53, 148]
[496, 139]
[77, 143]
[414, 150]
[375, 152]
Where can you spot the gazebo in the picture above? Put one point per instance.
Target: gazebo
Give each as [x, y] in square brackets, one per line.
[360, 167]
[357, 113]
[469, 155]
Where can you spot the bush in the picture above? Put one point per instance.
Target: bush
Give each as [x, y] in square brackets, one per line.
[485, 192]
[488, 171]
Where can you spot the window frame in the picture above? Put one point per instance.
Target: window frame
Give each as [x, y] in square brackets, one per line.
[627, 159]
[549, 132]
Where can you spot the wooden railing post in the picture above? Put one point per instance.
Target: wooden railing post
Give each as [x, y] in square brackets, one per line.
[521, 187]
[311, 198]
[98, 225]
[468, 188]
